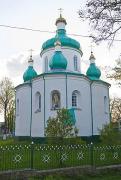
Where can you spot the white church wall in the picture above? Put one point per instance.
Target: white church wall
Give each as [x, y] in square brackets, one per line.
[44, 86]
[54, 83]
[38, 114]
[47, 54]
[101, 114]
[69, 53]
[23, 114]
[83, 111]
[58, 82]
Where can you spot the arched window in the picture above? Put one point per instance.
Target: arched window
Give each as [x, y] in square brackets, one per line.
[17, 107]
[55, 100]
[37, 102]
[105, 104]
[75, 63]
[76, 99]
[46, 64]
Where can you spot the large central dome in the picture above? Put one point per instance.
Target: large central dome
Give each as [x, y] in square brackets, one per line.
[61, 36]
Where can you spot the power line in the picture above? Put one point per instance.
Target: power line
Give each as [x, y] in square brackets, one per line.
[24, 28]
[38, 30]
[51, 32]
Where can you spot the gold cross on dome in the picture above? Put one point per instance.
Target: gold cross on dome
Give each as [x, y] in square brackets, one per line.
[61, 10]
[91, 46]
[31, 50]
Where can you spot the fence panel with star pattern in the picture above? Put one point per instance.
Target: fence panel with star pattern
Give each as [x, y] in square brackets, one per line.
[58, 156]
[42, 157]
[107, 155]
[14, 157]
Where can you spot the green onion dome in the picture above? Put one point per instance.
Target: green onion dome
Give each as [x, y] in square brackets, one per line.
[61, 36]
[93, 72]
[30, 73]
[58, 61]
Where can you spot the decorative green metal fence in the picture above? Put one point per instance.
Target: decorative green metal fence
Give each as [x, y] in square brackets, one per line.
[35, 156]
[107, 155]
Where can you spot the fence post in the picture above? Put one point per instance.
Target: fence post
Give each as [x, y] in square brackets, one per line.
[61, 148]
[32, 154]
[91, 153]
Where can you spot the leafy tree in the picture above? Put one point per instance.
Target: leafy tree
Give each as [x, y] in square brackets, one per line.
[115, 109]
[7, 97]
[61, 125]
[110, 134]
[104, 17]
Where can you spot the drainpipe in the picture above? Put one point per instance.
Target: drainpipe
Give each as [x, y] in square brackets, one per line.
[44, 104]
[15, 115]
[110, 118]
[91, 108]
[66, 93]
[31, 111]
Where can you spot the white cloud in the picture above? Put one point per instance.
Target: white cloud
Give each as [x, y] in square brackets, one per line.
[17, 65]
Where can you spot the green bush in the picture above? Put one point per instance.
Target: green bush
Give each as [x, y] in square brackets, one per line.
[110, 134]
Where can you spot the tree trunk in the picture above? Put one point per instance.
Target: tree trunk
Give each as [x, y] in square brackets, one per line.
[5, 119]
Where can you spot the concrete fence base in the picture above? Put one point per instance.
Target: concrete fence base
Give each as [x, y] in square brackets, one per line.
[26, 173]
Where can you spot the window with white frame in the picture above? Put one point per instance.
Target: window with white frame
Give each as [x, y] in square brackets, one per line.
[105, 104]
[37, 102]
[76, 99]
[55, 100]
[17, 107]
[75, 63]
[46, 64]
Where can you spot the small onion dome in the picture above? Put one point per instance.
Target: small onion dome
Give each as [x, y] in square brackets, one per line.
[93, 72]
[30, 73]
[58, 61]
[60, 19]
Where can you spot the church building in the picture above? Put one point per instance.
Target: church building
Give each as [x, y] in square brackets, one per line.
[61, 84]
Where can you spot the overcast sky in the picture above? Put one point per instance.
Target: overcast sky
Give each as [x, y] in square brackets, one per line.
[41, 14]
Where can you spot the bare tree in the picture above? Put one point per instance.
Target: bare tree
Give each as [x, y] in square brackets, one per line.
[104, 17]
[116, 72]
[6, 97]
[10, 115]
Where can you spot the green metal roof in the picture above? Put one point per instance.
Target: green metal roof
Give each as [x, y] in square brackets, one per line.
[93, 72]
[63, 38]
[58, 61]
[66, 74]
[29, 74]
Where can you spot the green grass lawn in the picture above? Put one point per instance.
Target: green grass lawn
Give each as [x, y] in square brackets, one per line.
[104, 177]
